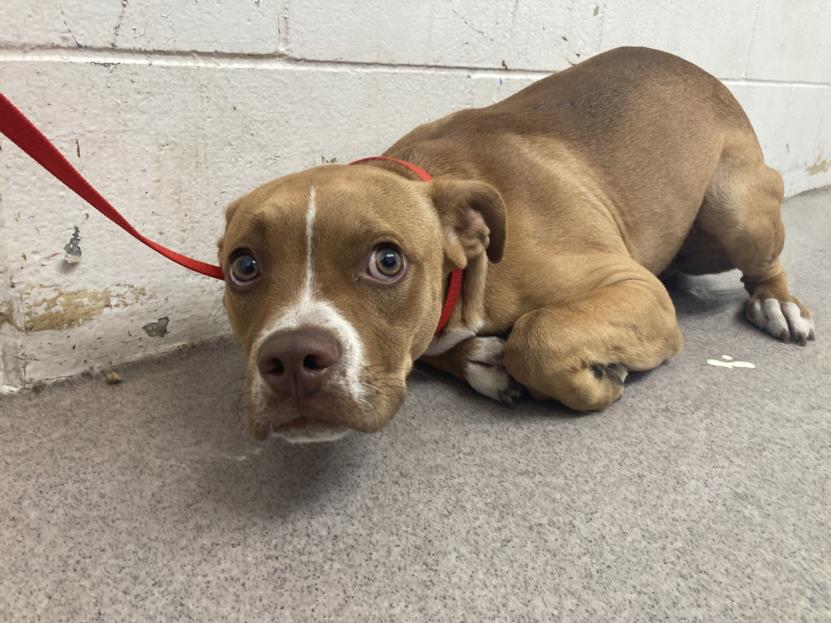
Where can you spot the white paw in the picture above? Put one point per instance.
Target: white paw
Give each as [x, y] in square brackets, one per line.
[783, 321]
[486, 374]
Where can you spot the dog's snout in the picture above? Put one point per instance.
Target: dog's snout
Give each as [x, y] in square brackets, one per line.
[298, 362]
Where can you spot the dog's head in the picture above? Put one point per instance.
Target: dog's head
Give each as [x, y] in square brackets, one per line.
[334, 282]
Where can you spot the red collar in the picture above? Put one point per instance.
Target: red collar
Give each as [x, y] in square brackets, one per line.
[17, 127]
[454, 286]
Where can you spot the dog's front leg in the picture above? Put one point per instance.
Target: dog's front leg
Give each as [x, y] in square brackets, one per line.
[579, 352]
[478, 361]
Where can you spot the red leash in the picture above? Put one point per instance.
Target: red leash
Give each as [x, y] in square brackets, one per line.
[25, 135]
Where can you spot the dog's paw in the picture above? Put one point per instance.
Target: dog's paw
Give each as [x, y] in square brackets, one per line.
[486, 374]
[784, 321]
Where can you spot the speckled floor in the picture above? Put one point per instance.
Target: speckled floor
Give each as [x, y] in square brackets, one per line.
[705, 494]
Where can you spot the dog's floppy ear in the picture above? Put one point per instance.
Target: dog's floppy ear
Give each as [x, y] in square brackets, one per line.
[229, 214]
[472, 215]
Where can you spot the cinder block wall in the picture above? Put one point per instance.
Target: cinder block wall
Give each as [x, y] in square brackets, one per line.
[174, 107]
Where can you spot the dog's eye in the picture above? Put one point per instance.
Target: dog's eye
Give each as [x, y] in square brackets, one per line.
[386, 263]
[244, 268]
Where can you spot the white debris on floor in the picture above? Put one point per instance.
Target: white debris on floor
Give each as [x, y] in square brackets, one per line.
[727, 361]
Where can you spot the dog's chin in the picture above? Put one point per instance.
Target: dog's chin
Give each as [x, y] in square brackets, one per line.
[309, 430]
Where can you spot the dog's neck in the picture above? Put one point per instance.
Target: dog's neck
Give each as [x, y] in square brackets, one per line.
[468, 317]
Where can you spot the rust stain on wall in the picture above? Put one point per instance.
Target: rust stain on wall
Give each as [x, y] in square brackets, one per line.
[73, 308]
[820, 166]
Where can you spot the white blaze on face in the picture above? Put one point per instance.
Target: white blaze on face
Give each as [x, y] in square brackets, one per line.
[311, 215]
[311, 310]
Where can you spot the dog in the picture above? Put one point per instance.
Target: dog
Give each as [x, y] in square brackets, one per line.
[562, 204]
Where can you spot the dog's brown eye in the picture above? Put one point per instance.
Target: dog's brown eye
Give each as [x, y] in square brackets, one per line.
[386, 263]
[244, 268]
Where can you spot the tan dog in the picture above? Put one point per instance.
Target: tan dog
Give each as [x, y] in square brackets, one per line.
[562, 203]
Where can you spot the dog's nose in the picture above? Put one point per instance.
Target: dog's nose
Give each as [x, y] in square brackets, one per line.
[297, 362]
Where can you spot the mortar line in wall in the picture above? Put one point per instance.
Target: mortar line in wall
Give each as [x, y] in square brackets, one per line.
[232, 60]
[760, 82]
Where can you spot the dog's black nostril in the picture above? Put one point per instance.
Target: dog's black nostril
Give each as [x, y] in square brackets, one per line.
[311, 363]
[277, 367]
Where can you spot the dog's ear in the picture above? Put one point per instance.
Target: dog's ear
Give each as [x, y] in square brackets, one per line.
[472, 216]
[229, 214]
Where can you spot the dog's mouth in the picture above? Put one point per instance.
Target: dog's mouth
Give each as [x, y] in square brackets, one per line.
[322, 416]
[306, 429]
[304, 422]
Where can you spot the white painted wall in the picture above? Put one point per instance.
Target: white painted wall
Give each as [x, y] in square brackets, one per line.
[174, 107]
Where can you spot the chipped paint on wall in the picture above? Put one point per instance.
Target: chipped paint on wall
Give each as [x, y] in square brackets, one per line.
[820, 166]
[7, 315]
[75, 307]
[72, 249]
[158, 328]
[11, 368]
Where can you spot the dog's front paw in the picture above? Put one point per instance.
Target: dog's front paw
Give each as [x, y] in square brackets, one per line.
[486, 374]
[782, 320]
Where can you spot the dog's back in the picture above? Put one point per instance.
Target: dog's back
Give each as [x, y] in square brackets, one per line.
[630, 139]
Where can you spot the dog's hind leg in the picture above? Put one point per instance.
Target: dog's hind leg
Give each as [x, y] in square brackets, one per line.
[579, 352]
[742, 211]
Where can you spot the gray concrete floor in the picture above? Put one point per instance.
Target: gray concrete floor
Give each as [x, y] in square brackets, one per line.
[703, 495]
